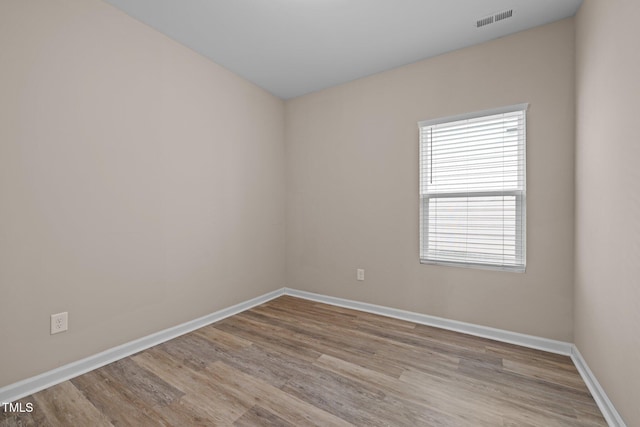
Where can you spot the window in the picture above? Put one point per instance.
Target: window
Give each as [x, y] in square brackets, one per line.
[473, 189]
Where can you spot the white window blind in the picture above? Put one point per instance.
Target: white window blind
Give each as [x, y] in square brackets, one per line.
[473, 189]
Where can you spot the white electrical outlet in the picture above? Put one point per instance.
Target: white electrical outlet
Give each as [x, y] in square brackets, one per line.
[59, 322]
[360, 274]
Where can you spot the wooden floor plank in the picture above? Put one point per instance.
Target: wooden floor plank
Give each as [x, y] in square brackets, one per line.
[119, 404]
[223, 339]
[258, 416]
[66, 405]
[294, 362]
[141, 382]
[447, 411]
[278, 402]
[204, 396]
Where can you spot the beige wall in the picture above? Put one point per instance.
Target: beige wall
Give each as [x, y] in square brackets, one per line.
[607, 287]
[352, 184]
[141, 185]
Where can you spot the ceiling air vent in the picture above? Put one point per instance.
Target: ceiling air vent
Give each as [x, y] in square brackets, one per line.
[494, 18]
[504, 15]
[484, 21]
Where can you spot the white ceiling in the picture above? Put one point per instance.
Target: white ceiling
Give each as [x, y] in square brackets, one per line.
[293, 47]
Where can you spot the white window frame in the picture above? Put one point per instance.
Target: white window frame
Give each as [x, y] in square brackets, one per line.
[519, 194]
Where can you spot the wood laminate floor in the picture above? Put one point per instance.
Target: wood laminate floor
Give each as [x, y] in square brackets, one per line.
[292, 362]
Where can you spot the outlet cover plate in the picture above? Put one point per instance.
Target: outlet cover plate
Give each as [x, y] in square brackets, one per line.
[59, 322]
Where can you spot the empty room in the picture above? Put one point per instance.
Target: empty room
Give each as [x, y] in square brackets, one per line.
[319, 212]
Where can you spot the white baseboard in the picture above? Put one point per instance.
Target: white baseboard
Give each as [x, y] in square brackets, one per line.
[530, 341]
[32, 385]
[26, 387]
[606, 407]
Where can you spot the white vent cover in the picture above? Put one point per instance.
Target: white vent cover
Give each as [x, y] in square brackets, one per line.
[494, 18]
